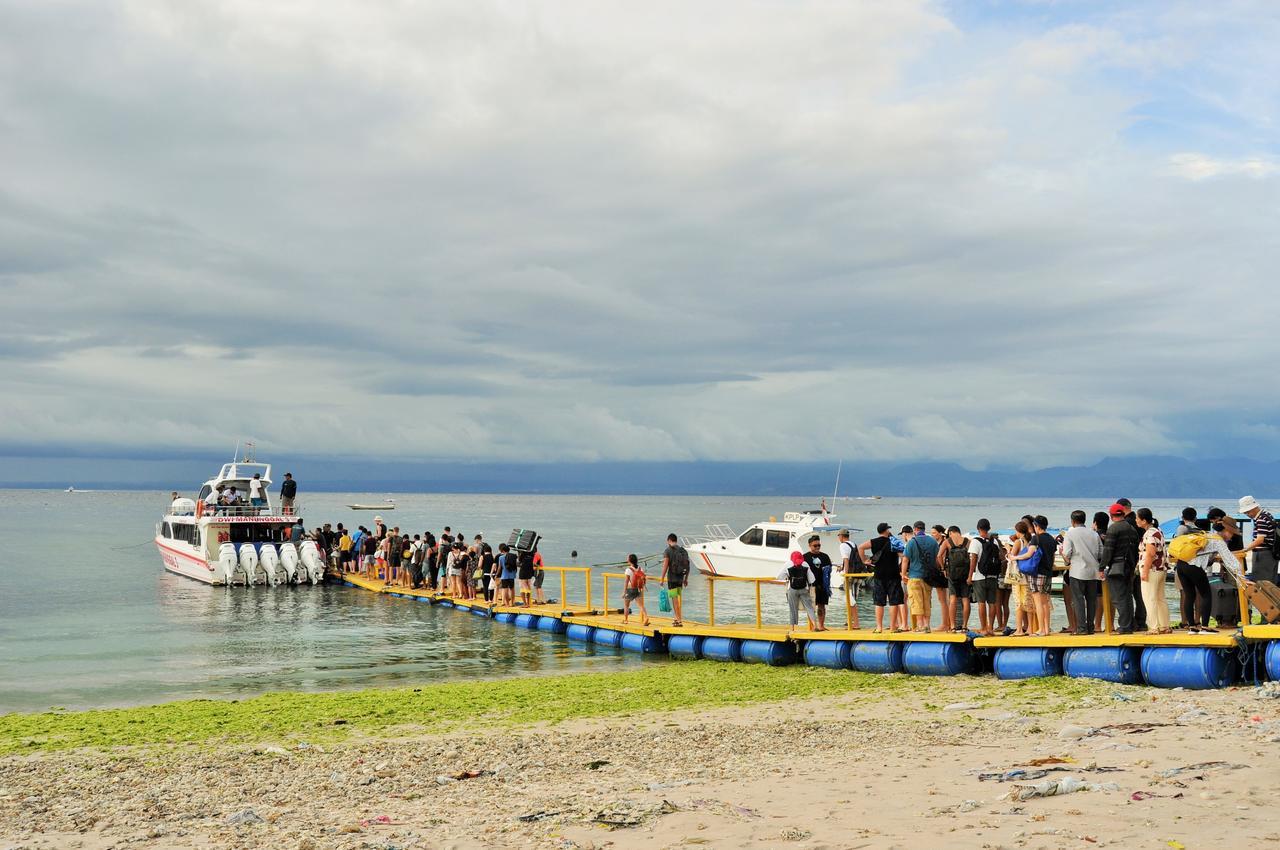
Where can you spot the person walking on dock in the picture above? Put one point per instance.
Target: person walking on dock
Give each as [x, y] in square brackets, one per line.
[1151, 571]
[921, 550]
[799, 576]
[820, 565]
[675, 572]
[1119, 554]
[633, 590]
[886, 583]
[1082, 553]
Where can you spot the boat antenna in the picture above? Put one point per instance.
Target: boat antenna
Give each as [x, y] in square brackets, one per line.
[836, 492]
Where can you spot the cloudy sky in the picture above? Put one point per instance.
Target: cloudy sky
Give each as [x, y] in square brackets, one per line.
[990, 232]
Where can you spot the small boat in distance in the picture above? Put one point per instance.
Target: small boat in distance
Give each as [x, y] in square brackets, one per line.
[391, 506]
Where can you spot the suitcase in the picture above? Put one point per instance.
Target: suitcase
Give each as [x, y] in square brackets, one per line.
[1225, 602]
[1265, 597]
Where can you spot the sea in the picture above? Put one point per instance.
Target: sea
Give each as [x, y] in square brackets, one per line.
[88, 617]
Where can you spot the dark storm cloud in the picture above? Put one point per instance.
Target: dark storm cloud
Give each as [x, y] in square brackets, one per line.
[818, 231]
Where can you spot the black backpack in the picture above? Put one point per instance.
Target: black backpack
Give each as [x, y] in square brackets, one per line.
[678, 569]
[958, 563]
[991, 564]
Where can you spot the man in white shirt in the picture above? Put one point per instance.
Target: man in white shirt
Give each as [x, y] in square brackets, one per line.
[984, 576]
[1082, 553]
[849, 563]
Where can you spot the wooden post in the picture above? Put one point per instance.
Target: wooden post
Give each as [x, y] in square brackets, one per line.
[758, 620]
[711, 604]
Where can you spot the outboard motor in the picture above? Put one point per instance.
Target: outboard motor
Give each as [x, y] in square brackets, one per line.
[270, 563]
[292, 565]
[312, 561]
[249, 561]
[229, 565]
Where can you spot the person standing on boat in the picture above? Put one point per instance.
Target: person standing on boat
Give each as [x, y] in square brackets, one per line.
[675, 572]
[820, 565]
[798, 576]
[288, 491]
[1263, 545]
[920, 550]
[886, 586]
[257, 495]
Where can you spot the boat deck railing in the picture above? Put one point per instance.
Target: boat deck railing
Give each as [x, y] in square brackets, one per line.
[234, 511]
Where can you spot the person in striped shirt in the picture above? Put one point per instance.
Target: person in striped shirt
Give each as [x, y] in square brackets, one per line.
[1264, 537]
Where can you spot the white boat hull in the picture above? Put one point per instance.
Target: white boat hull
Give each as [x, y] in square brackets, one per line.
[186, 561]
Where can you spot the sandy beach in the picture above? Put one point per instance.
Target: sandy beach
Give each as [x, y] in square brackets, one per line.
[902, 768]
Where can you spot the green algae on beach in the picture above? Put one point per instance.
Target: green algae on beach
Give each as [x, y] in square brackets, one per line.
[318, 717]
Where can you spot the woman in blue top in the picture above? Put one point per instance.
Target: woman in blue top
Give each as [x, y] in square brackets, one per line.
[506, 575]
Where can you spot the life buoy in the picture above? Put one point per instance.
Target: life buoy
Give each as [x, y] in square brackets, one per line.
[199, 508]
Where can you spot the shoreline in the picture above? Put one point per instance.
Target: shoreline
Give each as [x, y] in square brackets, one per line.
[888, 761]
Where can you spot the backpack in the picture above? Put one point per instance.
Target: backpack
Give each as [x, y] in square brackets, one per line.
[1028, 566]
[1184, 547]
[958, 563]
[991, 564]
[678, 569]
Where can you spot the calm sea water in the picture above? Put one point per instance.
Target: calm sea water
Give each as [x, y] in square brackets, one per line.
[89, 618]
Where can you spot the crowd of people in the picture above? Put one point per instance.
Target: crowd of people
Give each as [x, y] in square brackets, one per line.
[1010, 578]
[1003, 578]
[447, 563]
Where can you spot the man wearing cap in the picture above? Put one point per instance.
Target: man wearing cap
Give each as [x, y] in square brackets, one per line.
[288, 492]
[1264, 538]
[849, 563]
[819, 563]
[1119, 561]
[920, 550]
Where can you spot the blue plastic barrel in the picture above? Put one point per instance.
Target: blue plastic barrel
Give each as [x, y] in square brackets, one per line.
[551, 624]
[1029, 662]
[775, 653]
[480, 612]
[828, 653]
[936, 659]
[505, 617]
[1119, 664]
[577, 631]
[684, 646]
[1273, 660]
[1190, 667]
[445, 603]
[722, 649]
[607, 637]
[648, 644]
[877, 656]
[527, 621]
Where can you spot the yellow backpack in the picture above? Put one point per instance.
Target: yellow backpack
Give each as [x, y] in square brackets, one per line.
[1184, 547]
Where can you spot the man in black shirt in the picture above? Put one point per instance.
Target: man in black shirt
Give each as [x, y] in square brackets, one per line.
[819, 564]
[1139, 605]
[1119, 560]
[1043, 579]
[288, 490]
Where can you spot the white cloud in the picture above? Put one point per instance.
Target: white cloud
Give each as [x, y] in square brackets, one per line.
[1198, 166]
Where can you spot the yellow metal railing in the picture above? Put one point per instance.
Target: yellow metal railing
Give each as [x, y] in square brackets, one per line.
[607, 576]
[849, 578]
[564, 583]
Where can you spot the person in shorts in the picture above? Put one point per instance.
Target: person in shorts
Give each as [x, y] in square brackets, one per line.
[985, 565]
[819, 564]
[675, 572]
[886, 582]
[539, 575]
[506, 575]
[633, 590]
[525, 572]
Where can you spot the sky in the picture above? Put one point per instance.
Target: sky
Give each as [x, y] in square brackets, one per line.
[994, 233]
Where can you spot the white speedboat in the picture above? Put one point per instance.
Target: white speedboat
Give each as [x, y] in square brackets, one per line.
[765, 548]
[237, 544]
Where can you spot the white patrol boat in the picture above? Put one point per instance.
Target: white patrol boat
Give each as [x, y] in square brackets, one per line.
[764, 549]
[244, 542]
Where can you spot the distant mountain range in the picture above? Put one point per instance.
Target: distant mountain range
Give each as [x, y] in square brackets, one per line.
[1146, 477]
